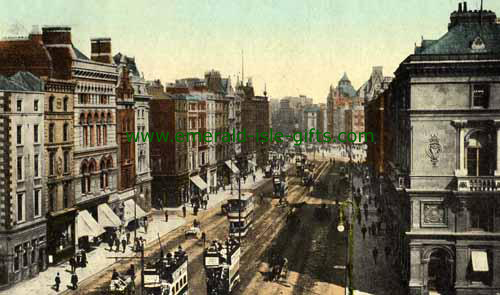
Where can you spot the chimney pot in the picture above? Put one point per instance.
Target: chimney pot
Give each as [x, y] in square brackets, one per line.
[465, 6]
[459, 7]
[56, 35]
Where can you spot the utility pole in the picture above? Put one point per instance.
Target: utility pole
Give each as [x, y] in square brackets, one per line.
[239, 209]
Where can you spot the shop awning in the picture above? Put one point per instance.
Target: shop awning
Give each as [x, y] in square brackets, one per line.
[233, 167]
[479, 260]
[132, 211]
[87, 226]
[106, 216]
[202, 185]
[252, 163]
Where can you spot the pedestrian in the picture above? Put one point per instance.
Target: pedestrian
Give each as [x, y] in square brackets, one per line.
[128, 238]
[254, 177]
[72, 263]
[261, 197]
[74, 281]
[184, 211]
[387, 251]
[375, 254]
[117, 245]
[58, 282]
[379, 226]
[166, 216]
[110, 243]
[363, 231]
[195, 210]
[131, 272]
[84, 258]
[203, 238]
[146, 225]
[124, 244]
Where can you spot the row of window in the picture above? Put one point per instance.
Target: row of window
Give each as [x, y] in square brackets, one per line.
[66, 163]
[36, 131]
[84, 98]
[21, 205]
[26, 254]
[88, 167]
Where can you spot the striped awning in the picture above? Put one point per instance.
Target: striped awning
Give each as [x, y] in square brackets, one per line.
[202, 185]
[106, 217]
[232, 167]
[87, 226]
[132, 211]
[479, 260]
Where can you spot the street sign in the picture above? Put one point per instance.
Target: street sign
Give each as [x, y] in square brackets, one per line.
[339, 266]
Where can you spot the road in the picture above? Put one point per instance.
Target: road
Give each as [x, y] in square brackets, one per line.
[269, 220]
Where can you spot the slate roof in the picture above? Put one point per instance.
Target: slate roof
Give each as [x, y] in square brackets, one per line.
[463, 31]
[79, 54]
[21, 81]
[129, 62]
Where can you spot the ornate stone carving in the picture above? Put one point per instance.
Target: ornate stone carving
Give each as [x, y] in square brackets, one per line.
[433, 150]
[434, 214]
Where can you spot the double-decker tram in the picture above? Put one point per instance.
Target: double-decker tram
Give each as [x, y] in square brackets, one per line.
[240, 214]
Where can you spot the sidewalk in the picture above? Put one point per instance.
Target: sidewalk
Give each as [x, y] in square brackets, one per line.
[216, 199]
[98, 259]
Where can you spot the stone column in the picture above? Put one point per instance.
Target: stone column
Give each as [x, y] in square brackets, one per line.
[460, 127]
[461, 263]
[416, 280]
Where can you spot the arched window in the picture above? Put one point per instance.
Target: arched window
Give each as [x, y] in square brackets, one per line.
[104, 135]
[109, 119]
[102, 178]
[84, 174]
[479, 153]
[51, 103]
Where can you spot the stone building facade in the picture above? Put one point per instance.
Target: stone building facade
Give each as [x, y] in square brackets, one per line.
[23, 232]
[446, 109]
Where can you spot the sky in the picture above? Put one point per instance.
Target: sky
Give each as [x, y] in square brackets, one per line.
[290, 46]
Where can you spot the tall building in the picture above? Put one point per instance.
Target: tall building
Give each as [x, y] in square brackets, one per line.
[446, 113]
[169, 159]
[23, 232]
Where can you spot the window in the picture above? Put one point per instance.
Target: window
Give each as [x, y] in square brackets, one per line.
[37, 203]
[19, 134]
[52, 198]
[35, 165]
[481, 216]
[66, 195]
[51, 103]
[35, 133]
[81, 99]
[65, 132]
[20, 207]
[17, 256]
[52, 128]
[25, 254]
[66, 162]
[35, 105]
[480, 95]
[19, 106]
[52, 159]
[33, 251]
[19, 167]
[65, 104]
[478, 154]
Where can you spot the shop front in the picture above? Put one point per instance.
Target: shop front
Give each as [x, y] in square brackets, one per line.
[61, 235]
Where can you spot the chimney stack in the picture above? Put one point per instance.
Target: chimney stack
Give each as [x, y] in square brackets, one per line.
[101, 50]
[56, 35]
[465, 6]
[460, 7]
[36, 35]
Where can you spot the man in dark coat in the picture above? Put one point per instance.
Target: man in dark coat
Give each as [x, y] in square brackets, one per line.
[363, 231]
[74, 281]
[124, 244]
[184, 211]
[166, 216]
[72, 263]
[84, 259]
[117, 245]
[375, 254]
[58, 282]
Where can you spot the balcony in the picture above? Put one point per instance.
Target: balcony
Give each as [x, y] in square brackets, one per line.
[478, 183]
